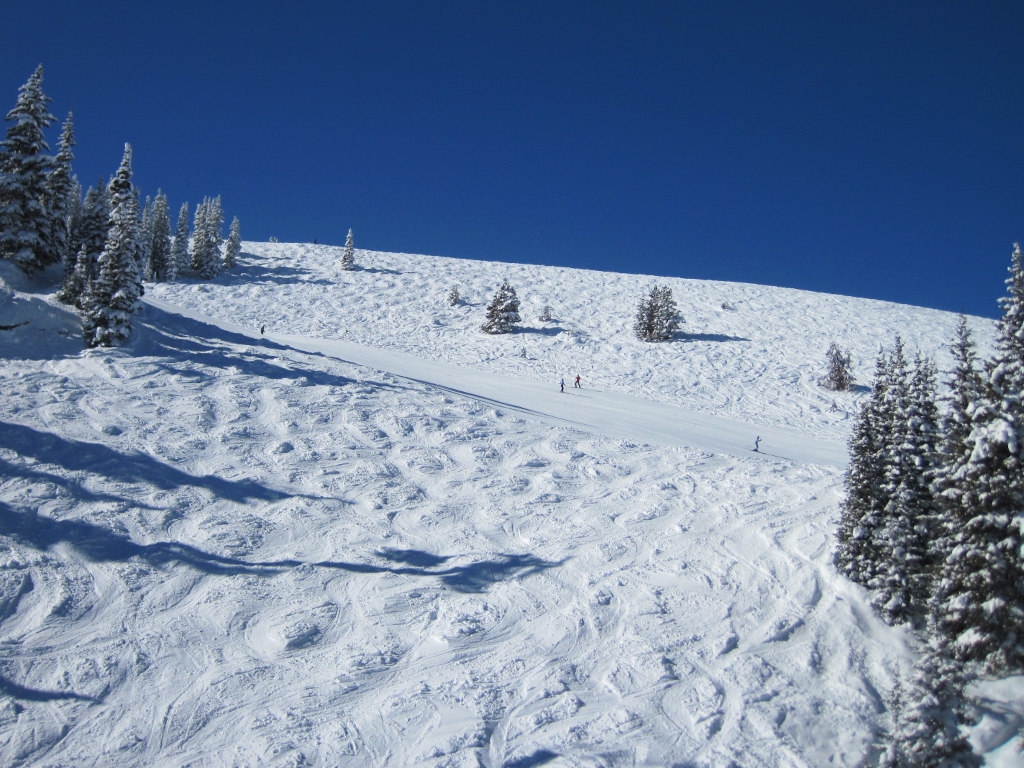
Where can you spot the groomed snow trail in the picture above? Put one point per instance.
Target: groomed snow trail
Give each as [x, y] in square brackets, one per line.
[223, 550]
[608, 413]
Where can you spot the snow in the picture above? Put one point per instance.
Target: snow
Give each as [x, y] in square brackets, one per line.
[378, 536]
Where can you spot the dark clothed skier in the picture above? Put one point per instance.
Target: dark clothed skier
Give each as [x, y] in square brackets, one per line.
[563, 385]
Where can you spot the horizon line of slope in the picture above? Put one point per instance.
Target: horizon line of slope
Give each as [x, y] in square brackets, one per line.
[610, 413]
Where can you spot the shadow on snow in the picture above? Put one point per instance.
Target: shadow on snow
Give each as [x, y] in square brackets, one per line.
[15, 691]
[100, 544]
[78, 455]
[185, 339]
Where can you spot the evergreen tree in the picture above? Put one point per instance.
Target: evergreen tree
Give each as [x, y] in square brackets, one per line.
[206, 238]
[453, 298]
[546, 314]
[955, 446]
[903, 584]
[657, 318]
[160, 266]
[837, 376]
[25, 221]
[931, 713]
[180, 249]
[61, 195]
[669, 318]
[503, 311]
[144, 247]
[349, 255]
[76, 282]
[980, 601]
[94, 221]
[234, 245]
[114, 293]
[861, 512]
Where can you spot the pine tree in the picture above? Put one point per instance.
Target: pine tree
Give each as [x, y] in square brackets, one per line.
[349, 255]
[657, 318]
[160, 266]
[76, 282]
[234, 245]
[115, 292]
[25, 221]
[930, 716]
[453, 298]
[180, 249]
[837, 376]
[669, 318]
[861, 512]
[206, 238]
[903, 585]
[980, 600]
[144, 246]
[546, 314]
[94, 221]
[197, 252]
[61, 195]
[955, 446]
[503, 311]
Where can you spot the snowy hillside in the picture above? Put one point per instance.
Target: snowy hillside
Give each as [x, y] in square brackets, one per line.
[378, 536]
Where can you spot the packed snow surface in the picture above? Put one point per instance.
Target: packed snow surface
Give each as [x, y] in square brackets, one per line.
[373, 535]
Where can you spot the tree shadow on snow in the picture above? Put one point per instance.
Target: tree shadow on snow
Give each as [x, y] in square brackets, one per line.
[178, 337]
[717, 337]
[249, 273]
[72, 488]
[553, 330]
[538, 758]
[102, 545]
[22, 693]
[375, 270]
[78, 455]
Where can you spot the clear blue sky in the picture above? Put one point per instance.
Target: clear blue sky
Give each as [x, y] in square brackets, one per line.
[864, 148]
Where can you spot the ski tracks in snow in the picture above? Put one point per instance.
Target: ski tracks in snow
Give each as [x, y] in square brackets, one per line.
[280, 558]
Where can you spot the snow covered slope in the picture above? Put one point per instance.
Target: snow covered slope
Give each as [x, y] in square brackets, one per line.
[377, 536]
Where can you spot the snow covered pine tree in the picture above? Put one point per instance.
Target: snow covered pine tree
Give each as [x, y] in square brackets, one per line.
[348, 256]
[838, 377]
[503, 311]
[234, 245]
[657, 318]
[25, 222]
[980, 596]
[114, 294]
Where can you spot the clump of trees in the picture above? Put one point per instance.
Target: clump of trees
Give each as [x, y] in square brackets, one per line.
[931, 523]
[106, 244]
[503, 311]
[657, 318]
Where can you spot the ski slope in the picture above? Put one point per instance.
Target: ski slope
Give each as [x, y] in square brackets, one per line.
[608, 413]
[370, 538]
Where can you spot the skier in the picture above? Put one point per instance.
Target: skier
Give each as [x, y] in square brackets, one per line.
[757, 444]
[577, 384]
[563, 385]
[262, 329]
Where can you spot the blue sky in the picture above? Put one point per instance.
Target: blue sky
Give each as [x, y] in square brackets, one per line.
[863, 148]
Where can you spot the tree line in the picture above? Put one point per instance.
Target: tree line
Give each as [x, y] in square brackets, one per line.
[106, 241]
[932, 524]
